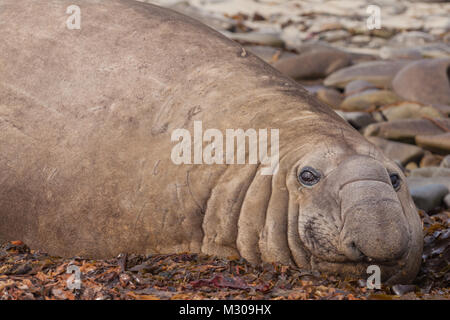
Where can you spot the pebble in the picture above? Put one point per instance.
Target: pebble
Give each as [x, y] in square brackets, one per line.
[411, 166]
[430, 160]
[410, 110]
[313, 64]
[361, 39]
[402, 22]
[445, 162]
[357, 120]
[399, 53]
[334, 35]
[357, 86]
[412, 38]
[447, 201]
[403, 152]
[314, 46]
[439, 143]
[294, 37]
[429, 175]
[330, 96]
[402, 289]
[438, 23]
[267, 39]
[320, 26]
[377, 43]
[368, 99]
[443, 109]
[406, 129]
[431, 172]
[218, 22]
[380, 73]
[425, 81]
[268, 54]
[435, 50]
[428, 197]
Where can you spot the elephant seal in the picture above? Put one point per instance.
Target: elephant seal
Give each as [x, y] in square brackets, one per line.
[87, 119]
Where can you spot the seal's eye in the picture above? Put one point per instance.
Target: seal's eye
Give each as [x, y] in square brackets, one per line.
[308, 176]
[395, 180]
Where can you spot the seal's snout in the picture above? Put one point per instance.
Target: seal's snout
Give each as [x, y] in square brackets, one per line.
[374, 224]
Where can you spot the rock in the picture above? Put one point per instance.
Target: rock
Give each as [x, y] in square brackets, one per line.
[429, 1]
[334, 35]
[392, 8]
[430, 160]
[406, 129]
[361, 39]
[402, 289]
[411, 166]
[442, 23]
[294, 36]
[383, 33]
[358, 120]
[445, 163]
[424, 81]
[314, 46]
[399, 53]
[313, 86]
[341, 8]
[377, 43]
[429, 175]
[402, 152]
[428, 197]
[431, 172]
[443, 109]
[357, 86]
[330, 96]
[378, 116]
[268, 54]
[401, 22]
[412, 38]
[367, 99]
[439, 143]
[435, 50]
[410, 110]
[320, 26]
[313, 64]
[380, 73]
[446, 38]
[218, 22]
[447, 201]
[266, 39]
[360, 57]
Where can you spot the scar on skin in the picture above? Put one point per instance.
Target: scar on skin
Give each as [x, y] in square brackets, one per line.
[155, 168]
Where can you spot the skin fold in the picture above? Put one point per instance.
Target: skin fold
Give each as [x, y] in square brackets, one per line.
[86, 118]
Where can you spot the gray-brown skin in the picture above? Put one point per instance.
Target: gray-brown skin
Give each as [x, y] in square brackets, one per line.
[86, 118]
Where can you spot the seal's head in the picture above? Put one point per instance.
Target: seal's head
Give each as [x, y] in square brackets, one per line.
[354, 210]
